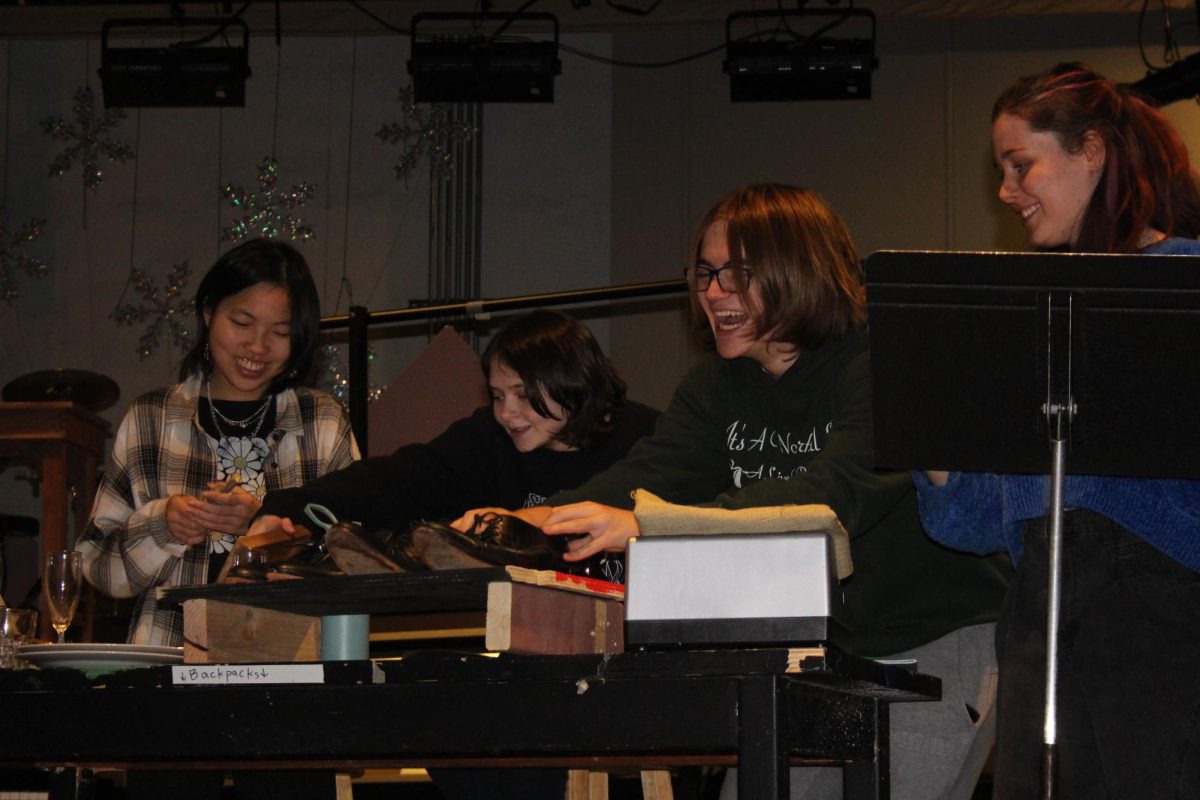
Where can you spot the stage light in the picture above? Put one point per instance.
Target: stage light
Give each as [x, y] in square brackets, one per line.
[483, 68]
[1180, 81]
[794, 66]
[185, 73]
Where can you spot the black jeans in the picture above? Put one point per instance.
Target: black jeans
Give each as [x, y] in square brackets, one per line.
[1128, 705]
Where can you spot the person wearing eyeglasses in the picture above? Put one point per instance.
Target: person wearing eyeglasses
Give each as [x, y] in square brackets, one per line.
[780, 413]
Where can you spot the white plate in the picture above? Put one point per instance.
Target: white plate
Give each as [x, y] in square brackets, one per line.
[97, 658]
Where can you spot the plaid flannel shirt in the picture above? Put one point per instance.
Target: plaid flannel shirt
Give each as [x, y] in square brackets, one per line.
[160, 450]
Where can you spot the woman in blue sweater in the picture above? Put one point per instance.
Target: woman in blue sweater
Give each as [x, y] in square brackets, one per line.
[1091, 168]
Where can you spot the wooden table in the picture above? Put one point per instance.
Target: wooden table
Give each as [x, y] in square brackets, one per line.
[763, 710]
[64, 442]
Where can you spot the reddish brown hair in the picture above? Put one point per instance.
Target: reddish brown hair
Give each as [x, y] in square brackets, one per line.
[1147, 181]
[803, 261]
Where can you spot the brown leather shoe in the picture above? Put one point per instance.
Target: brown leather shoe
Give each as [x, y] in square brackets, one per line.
[360, 552]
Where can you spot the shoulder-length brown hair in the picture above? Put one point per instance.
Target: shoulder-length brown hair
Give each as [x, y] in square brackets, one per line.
[802, 259]
[1147, 180]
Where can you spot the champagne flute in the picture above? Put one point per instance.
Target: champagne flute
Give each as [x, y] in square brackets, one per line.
[62, 584]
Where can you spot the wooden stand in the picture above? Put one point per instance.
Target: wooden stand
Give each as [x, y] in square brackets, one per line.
[64, 442]
[520, 618]
[524, 619]
[528, 612]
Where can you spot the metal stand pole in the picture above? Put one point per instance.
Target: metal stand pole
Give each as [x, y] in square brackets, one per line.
[1059, 411]
[1050, 729]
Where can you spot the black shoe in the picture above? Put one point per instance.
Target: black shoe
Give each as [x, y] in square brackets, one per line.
[359, 552]
[496, 539]
[604, 566]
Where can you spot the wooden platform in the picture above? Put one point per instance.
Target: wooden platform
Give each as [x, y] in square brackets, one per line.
[281, 620]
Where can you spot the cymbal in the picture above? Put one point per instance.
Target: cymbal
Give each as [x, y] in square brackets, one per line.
[93, 391]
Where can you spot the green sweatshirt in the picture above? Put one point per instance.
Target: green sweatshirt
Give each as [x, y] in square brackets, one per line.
[735, 437]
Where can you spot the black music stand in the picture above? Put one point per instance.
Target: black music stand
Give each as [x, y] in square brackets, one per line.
[1036, 363]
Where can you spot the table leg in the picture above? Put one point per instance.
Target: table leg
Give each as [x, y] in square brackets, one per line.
[762, 755]
[871, 778]
[69, 783]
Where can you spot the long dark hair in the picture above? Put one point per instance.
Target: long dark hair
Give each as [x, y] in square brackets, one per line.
[252, 262]
[556, 356]
[1147, 181]
[803, 261]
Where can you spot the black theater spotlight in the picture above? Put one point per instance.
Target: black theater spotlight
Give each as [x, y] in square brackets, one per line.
[790, 54]
[1180, 81]
[473, 59]
[191, 72]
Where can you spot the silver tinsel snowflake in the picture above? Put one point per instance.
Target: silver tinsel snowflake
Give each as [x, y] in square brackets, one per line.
[336, 380]
[12, 258]
[423, 132]
[89, 137]
[267, 211]
[168, 310]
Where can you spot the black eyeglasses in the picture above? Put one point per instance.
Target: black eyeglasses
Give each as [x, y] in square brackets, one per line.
[735, 278]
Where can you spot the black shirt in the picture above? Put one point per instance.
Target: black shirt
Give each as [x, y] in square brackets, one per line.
[473, 463]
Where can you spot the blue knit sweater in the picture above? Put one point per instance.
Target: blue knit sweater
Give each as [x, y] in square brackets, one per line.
[985, 513]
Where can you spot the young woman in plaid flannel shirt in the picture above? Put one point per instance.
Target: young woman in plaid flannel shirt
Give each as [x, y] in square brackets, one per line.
[191, 462]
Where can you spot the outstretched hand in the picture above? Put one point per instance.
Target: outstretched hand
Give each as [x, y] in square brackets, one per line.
[270, 522]
[606, 528]
[534, 516]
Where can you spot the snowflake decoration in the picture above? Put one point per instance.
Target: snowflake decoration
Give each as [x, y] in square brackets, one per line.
[168, 310]
[337, 379]
[89, 137]
[267, 210]
[13, 260]
[424, 131]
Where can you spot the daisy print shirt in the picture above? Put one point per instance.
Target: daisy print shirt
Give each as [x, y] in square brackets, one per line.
[162, 449]
[239, 431]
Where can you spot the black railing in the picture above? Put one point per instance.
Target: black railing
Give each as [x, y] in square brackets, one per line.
[359, 319]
